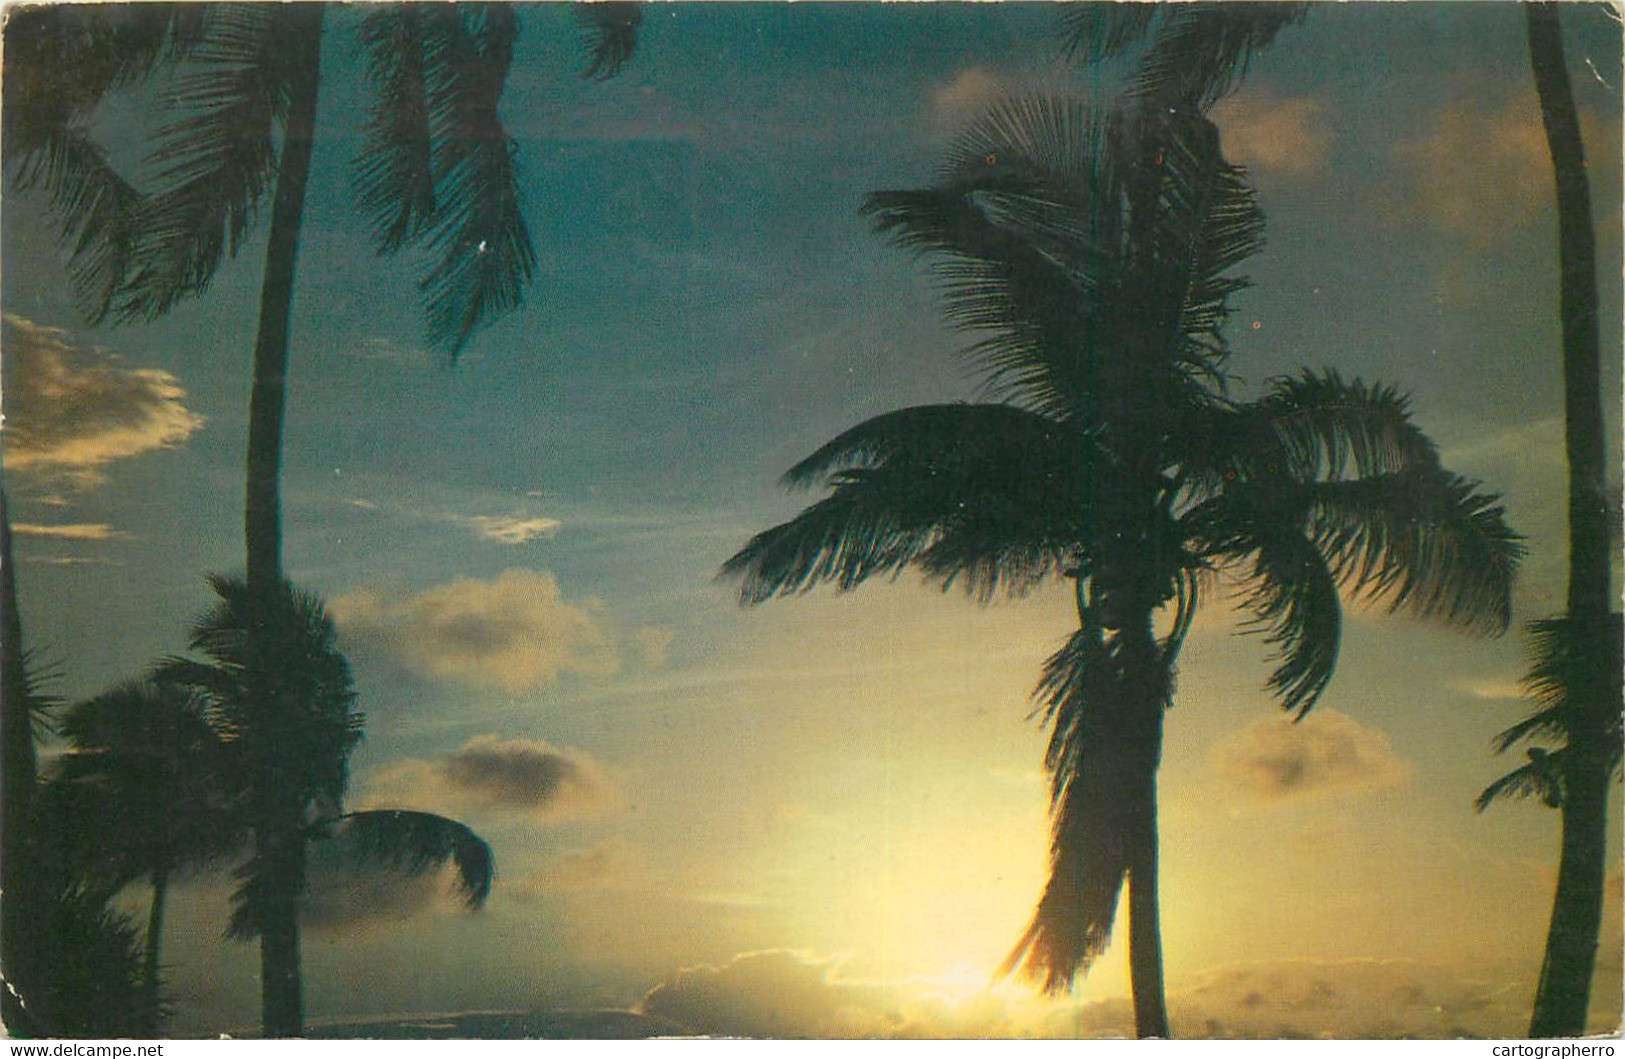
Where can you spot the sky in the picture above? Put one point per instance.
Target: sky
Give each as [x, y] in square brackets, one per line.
[827, 815]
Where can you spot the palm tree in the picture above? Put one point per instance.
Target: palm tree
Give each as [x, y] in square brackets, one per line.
[70, 965]
[144, 792]
[1574, 675]
[1092, 254]
[437, 172]
[21, 946]
[298, 750]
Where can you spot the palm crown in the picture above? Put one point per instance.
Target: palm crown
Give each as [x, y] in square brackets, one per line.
[1092, 255]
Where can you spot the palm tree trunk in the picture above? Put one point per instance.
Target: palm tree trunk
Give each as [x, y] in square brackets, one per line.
[1564, 994]
[277, 834]
[19, 914]
[1145, 931]
[1562, 997]
[1589, 573]
[155, 934]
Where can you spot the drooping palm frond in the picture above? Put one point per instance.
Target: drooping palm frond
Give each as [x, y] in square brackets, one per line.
[1294, 600]
[989, 495]
[478, 229]
[61, 62]
[216, 159]
[1102, 760]
[394, 172]
[609, 34]
[415, 842]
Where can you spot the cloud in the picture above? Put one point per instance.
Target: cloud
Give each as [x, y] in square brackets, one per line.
[779, 993]
[1287, 136]
[521, 775]
[956, 103]
[67, 531]
[511, 529]
[776, 993]
[70, 411]
[1482, 169]
[513, 634]
[1352, 999]
[652, 644]
[1325, 754]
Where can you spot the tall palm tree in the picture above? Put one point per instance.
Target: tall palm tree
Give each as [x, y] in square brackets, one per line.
[144, 792]
[21, 946]
[437, 172]
[1092, 254]
[302, 745]
[1576, 661]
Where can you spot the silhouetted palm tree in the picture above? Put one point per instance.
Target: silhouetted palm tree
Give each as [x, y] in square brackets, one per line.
[21, 945]
[302, 745]
[1577, 659]
[145, 791]
[437, 171]
[1093, 254]
[71, 966]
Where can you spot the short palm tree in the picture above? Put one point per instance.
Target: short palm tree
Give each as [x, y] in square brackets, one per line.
[437, 172]
[145, 792]
[301, 743]
[1093, 254]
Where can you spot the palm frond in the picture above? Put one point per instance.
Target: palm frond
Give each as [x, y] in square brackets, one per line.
[609, 34]
[1541, 777]
[215, 161]
[61, 62]
[1294, 599]
[478, 229]
[1319, 426]
[1096, 31]
[1200, 51]
[1102, 761]
[1574, 677]
[394, 172]
[415, 842]
[987, 494]
[1022, 216]
[1424, 541]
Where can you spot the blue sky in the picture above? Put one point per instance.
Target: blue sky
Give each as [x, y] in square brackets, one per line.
[848, 785]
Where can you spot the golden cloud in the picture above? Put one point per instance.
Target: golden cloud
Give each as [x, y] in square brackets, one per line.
[513, 633]
[1326, 753]
[66, 531]
[70, 410]
[1482, 168]
[512, 529]
[1289, 136]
